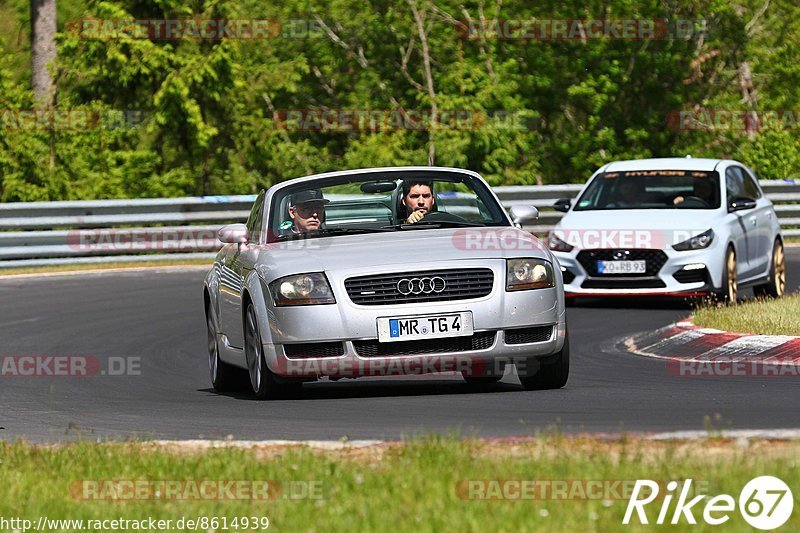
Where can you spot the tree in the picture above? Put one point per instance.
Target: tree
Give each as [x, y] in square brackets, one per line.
[43, 49]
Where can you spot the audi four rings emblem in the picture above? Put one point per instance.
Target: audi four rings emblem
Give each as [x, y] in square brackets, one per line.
[421, 285]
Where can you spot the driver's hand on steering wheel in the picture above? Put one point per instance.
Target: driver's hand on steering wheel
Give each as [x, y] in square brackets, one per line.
[415, 217]
[678, 200]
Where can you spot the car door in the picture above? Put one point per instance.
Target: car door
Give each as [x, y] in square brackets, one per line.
[237, 264]
[764, 222]
[742, 223]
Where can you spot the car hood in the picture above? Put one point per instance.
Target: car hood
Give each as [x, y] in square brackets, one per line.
[402, 248]
[633, 228]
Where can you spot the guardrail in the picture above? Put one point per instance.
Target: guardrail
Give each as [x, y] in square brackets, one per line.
[96, 231]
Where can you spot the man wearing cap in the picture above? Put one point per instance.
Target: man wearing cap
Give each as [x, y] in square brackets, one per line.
[307, 210]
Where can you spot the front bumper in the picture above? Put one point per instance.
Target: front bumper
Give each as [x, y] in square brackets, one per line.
[688, 283]
[482, 362]
[340, 340]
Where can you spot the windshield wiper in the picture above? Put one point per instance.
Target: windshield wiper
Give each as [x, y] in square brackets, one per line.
[336, 231]
[433, 224]
[451, 223]
[329, 231]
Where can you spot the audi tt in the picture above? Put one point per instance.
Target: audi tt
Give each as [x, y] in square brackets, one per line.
[385, 271]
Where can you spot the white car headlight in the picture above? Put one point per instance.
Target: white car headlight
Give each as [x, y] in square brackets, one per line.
[523, 274]
[698, 242]
[302, 289]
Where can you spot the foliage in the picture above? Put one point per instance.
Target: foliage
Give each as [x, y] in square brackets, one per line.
[206, 116]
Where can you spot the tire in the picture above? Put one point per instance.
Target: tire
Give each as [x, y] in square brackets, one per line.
[729, 292]
[224, 377]
[776, 285]
[263, 382]
[553, 372]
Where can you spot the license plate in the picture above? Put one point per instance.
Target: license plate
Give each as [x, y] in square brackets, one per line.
[621, 267]
[409, 328]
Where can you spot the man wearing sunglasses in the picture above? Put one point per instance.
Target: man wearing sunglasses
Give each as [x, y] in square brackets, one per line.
[307, 210]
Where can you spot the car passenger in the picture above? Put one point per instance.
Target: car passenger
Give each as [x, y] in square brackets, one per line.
[418, 199]
[307, 210]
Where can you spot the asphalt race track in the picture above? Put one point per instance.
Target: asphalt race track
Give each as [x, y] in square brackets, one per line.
[158, 317]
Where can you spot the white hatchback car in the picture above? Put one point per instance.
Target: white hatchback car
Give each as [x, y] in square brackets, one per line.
[670, 227]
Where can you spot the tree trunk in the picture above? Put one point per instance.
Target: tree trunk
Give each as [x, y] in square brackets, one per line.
[43, 50]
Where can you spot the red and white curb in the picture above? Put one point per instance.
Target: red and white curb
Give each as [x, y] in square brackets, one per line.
[694, 351]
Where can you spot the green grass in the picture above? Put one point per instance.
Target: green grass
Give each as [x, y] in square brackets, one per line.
[762, 317]
[409, 487]
[103, 266]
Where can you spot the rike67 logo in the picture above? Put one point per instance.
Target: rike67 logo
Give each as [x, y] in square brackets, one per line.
[765, 503]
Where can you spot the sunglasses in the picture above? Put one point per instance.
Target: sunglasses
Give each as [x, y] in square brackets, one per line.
[307, 209]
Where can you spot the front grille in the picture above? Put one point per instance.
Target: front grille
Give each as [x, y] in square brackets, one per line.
[623, 283]
[480, 340]
[381, 289]
[314, 349]
[529, 335]
[568, 275]
[691, 276]
[654, 260]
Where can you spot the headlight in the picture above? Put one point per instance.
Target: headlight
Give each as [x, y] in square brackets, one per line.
[302, 289]
[523, 274]
[558, 245]
[698, 242]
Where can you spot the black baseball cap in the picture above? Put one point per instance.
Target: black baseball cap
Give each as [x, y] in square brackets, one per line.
[310, 195]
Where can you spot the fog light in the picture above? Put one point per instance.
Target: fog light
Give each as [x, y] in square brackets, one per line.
[694, 266]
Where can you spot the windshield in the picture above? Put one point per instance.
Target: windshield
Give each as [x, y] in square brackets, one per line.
[652, 189]
[382, 202]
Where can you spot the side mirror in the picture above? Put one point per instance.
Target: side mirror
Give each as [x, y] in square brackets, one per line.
[741, 204]
[524, 214]
[233, 234]
[563, 204]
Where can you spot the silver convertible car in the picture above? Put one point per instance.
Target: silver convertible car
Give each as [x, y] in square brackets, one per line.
[378, 272]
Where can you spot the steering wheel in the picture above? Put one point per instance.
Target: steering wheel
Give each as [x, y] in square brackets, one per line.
[441, 216]
[693, 201]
